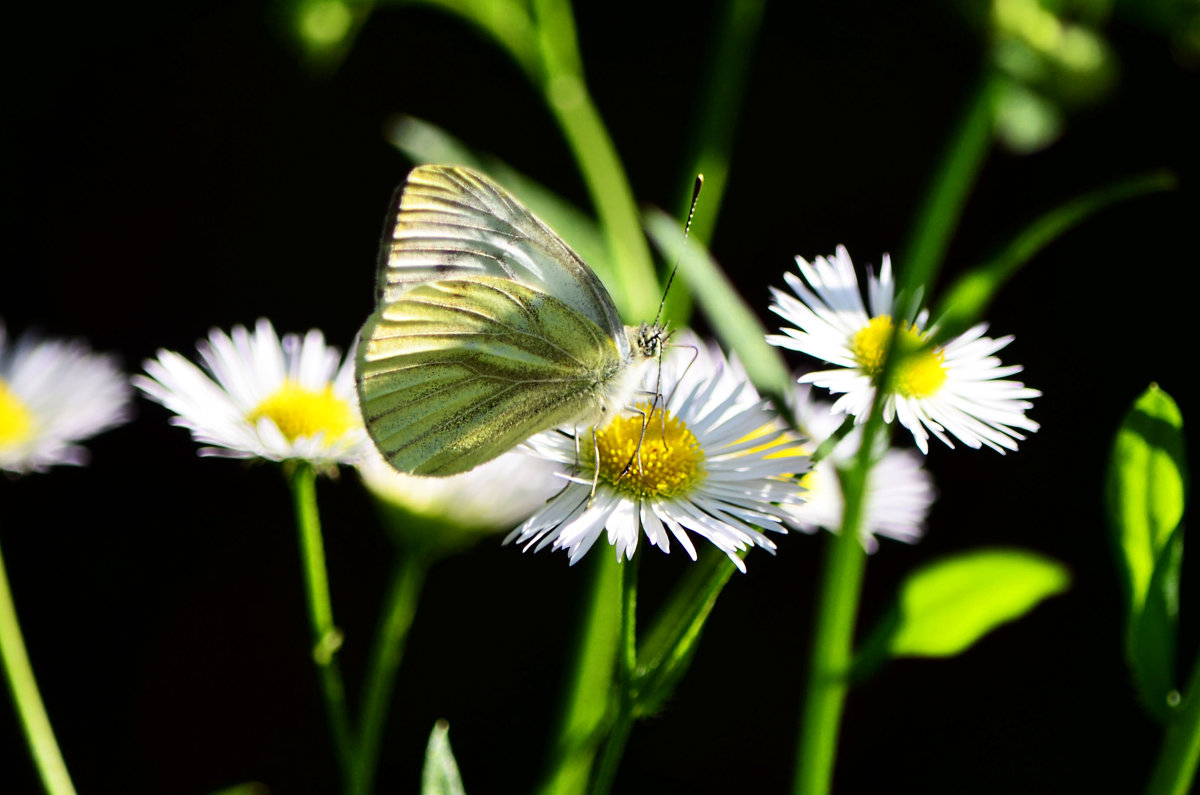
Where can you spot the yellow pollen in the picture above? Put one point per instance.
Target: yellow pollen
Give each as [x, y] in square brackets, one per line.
[919, 373]
[299, 412]
[16, 420]
[670, 457]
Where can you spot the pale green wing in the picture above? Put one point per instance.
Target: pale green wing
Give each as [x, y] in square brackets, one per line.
[453, 373]
[454, 223]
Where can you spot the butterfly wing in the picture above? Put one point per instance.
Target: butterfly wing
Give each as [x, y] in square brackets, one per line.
[453, 373]
[455, 223]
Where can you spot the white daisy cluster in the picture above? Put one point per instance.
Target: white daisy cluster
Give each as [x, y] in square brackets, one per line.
[716, 462]
[259, 396]
[53, 394]
[952, 390]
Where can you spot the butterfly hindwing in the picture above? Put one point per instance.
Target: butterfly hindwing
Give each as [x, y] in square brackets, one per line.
[454, 372]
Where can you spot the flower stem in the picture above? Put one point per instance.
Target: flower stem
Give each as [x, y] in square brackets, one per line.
[30, 709]
[587, 700]
[1175, 772]
[397, 618]
[325, 636]
[947, 195]
[566, 94]
[833, 636]
[614, 748]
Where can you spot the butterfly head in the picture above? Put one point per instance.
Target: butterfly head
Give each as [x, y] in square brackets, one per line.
[647, 340]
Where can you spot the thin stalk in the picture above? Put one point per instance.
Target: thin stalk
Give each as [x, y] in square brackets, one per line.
[35, 723]
[587, 699]
[825, 694]
[726, 66]
[397, 618]
[956, 174]
[326, 637]
[622, 725]
[837, 611]
[1175, 771]
[562, 83]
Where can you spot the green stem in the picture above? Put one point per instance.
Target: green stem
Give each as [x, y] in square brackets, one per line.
[833, 636]
[945, 198]
[1175, 772]
[726, 64]
[326, 637]
[587, 700]
[399, 611]
[622, 725]
[30, 709]
[562, 83]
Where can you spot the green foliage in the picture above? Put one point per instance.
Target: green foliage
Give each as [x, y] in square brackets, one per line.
[734, 322]
[670, 646]
[945, 607]
[968, 297]
[1144, 495]
[440, 775]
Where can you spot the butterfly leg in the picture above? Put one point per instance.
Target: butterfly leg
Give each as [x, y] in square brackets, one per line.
[596, 464]
[637, 452]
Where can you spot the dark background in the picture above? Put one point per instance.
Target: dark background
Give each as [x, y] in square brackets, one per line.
[172, 168]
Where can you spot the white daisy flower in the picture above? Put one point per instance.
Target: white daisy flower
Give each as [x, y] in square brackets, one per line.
[950, 390]
[54, 393]
[899, 489]
[717, 463]
[262, 397]
[487, 498]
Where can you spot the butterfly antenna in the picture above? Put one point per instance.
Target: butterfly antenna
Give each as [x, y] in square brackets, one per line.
[686, 228]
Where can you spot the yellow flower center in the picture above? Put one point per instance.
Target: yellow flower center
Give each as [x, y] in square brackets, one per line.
[16, 420]
[300, 412]
[919, 373]
[669, 461]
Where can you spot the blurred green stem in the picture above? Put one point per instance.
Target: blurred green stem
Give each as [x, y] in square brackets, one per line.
[614, 747]
[837, 610]
[1175, 772]
[952, 182]
[587, 700]
[543, 43]
[565, 90]
[726, 63]
[326, 637]
[397, 618]
[28, 701]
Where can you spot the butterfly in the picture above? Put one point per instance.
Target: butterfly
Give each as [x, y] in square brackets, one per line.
[488, 329]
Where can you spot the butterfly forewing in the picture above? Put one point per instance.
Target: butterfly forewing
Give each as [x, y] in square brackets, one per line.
[453, 223]
[454, 372]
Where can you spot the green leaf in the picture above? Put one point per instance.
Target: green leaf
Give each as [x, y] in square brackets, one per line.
[440, 775]
[1144, 496]
[946, 606]
[667, 652]
[245, 788]
[1151, 633]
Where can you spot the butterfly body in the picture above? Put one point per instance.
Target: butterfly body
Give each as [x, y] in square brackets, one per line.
[489, 329]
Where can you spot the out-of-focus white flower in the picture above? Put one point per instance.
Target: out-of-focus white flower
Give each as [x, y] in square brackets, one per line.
[54, 393]
[899, 490]
[493, 496]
